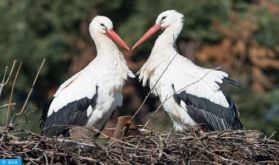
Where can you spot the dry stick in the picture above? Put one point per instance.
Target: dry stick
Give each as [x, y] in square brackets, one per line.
[149, 93]
[272, 134]
[78, 155]
[6, 105]
[161, 148]
[44, 154]
[4, 77]
[47, 139]
[50, 153]
[4, 82]
[10, 74]
[11, 95]
[180, 90]
[33, 84]
[220, 156]
[117, 140]
[97, 131]
[123, 122]
[54, 152]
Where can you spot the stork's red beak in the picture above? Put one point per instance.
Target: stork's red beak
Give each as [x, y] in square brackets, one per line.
[155, 28]
[115, 37]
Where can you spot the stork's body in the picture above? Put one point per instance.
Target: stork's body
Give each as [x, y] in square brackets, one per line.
[191, 95]
[89, 97]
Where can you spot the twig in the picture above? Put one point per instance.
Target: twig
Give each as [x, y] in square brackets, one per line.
[149, 93]
[2, 83]
[161, 148]
[117, 140]
[11, 95]
[31, 90]
[97, 131]
[79, 150]
[151, 117]
[6, 105]
[54, 152]
[221, 157]
[272, 134]
[123, 123]
[10, 74]
[50, 153]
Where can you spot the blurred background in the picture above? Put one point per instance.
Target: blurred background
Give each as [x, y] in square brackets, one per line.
[242, 36]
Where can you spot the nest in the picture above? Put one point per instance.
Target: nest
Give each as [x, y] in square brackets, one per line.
[147, 147]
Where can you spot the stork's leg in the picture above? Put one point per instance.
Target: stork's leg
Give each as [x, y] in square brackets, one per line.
[201, 130]
[177, 127]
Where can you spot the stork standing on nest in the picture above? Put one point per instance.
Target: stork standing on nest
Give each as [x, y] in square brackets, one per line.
[89, 97]
[191, 95]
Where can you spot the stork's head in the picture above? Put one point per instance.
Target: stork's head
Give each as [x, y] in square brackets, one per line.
[166, 19]
[169, 18]
[103, 25]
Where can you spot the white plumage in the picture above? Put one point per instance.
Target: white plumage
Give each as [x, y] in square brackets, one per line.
[181, 75]
[101, 82]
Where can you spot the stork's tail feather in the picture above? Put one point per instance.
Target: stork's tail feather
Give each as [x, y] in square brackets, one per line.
[231, 81]
[45, 111]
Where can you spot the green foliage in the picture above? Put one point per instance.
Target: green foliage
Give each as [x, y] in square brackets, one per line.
[257, 111]
[198, 17]
[35, 30]
[267, 33]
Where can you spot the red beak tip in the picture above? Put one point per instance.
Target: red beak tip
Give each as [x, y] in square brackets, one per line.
[127, 47]
[114, 36]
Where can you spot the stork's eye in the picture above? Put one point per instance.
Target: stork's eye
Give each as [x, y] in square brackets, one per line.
[102, 25]
[164, 18]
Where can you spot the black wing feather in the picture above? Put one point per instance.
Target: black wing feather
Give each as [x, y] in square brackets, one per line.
[210, 115]
[74, 113]
[45, 111]
[231, 81]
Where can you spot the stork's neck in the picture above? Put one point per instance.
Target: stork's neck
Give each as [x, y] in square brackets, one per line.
[109, 56]
[168, 38]
[104, 45]
[162, 53]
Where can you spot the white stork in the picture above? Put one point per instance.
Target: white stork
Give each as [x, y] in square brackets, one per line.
[90, 96]
[191, 95]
